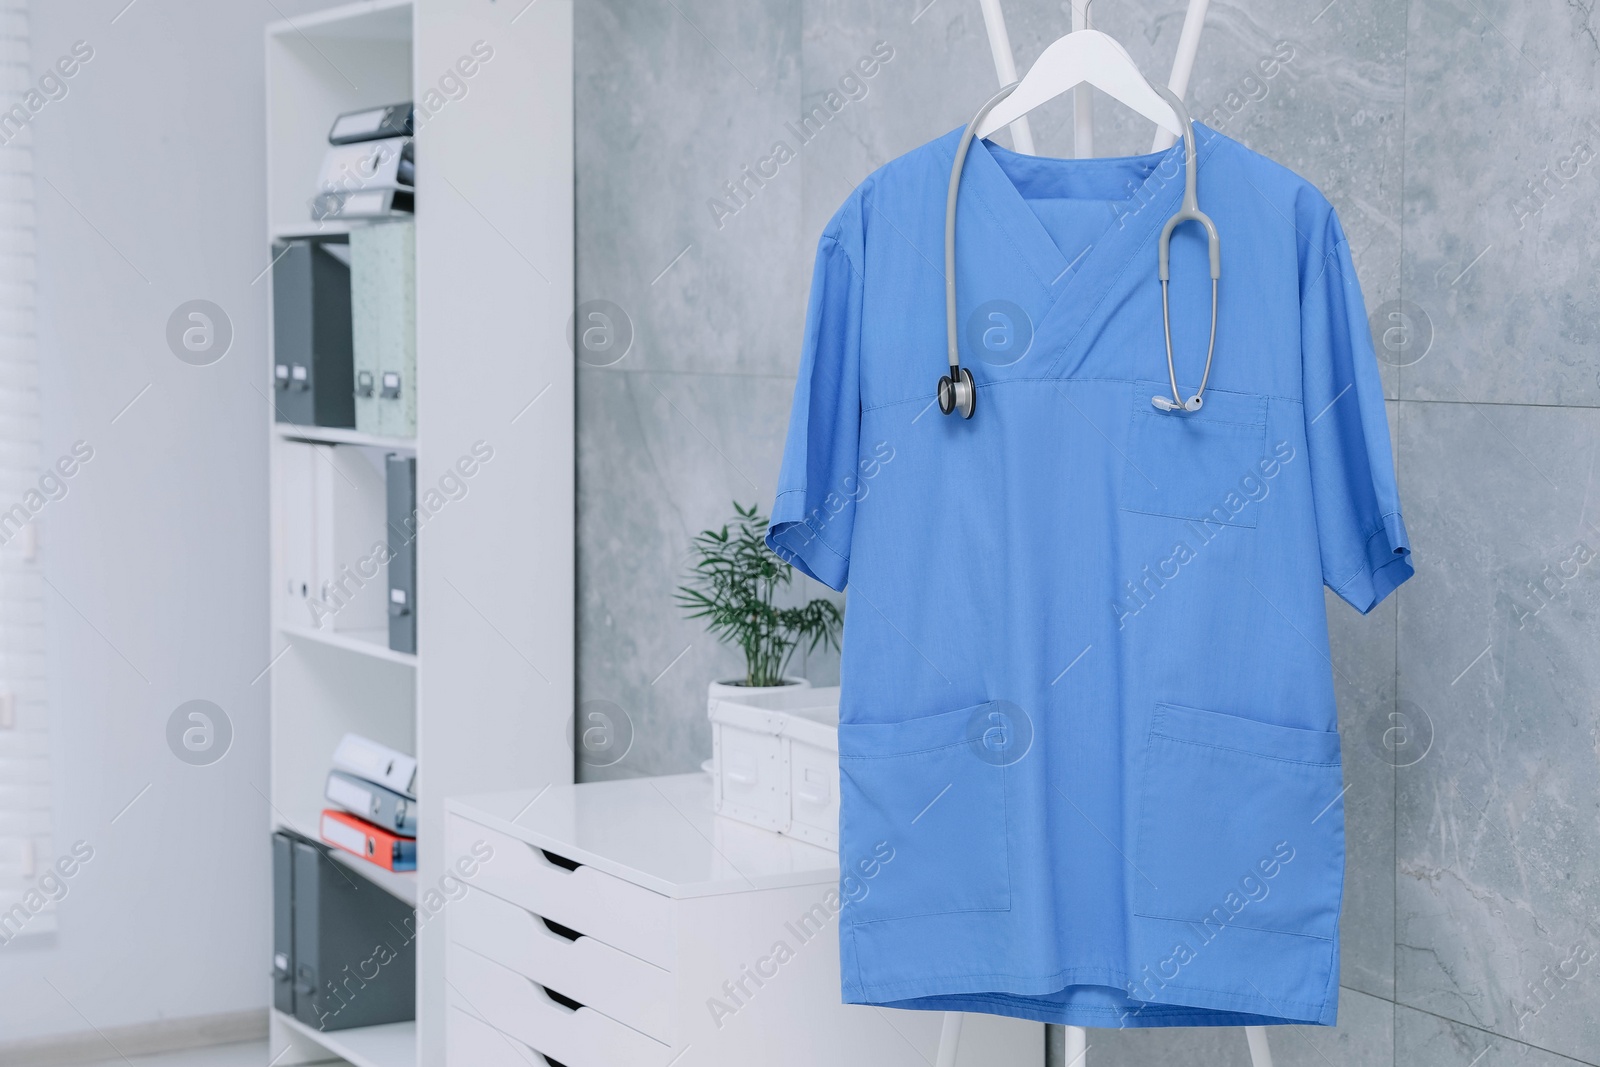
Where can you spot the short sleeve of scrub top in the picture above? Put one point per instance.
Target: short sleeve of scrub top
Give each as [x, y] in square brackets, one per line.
[821, 478]
[1362, 540]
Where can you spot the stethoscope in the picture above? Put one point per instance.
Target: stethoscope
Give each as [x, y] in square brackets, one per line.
[957, 390]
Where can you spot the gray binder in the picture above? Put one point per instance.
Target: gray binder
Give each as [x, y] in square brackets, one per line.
[355, 954]
[283, 921]
[379, 806]
[402, 495]
[313, 377]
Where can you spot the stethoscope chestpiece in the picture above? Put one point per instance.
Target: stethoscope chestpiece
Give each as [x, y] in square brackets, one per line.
[958, 392]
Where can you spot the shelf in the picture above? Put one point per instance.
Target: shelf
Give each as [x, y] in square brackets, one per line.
[370, 19]
[388, 1045]
[294, 230]
[335, 435]
[333, 228]
[374, 643]
[401, 884]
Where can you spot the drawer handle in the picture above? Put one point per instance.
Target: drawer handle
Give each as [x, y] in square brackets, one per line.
[813, 794]
[563, 931]
[560, 861]
[739, 777]
[561, 999]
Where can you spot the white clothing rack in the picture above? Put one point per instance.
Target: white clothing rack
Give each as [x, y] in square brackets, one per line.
[1005, 66]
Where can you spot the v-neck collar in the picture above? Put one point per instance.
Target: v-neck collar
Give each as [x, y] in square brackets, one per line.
[1074, 287]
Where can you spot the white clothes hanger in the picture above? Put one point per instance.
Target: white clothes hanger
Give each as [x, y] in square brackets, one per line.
[1183, 65]
[1005, 65]
[1082, 57]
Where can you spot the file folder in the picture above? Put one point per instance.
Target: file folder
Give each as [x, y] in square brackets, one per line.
[355, 956]
[313, 376]
[365, 758]
[371, 843]
[372, 124]
[283, 844]
[383, 315]
[402, 496]
[379, 806]
[366, 178]
[329, 516]
[295, 577]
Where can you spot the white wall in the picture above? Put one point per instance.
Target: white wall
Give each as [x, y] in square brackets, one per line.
[149, 194]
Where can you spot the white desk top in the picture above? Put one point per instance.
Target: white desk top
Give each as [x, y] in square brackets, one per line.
[659, 833]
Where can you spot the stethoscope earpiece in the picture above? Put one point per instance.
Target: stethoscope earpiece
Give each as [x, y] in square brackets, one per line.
[1165, 403]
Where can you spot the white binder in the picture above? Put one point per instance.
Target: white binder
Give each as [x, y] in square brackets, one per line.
[377, 763]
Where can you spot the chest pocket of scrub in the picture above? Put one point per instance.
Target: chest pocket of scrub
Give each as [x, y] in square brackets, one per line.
[1199, 465]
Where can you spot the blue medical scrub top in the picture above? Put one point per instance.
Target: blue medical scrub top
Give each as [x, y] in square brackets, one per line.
[1090, 767]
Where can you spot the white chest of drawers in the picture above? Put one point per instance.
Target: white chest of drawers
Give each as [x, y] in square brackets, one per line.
[622, 924]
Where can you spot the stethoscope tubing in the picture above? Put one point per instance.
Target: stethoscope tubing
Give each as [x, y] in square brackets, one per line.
[1188, 211]
[950, 223]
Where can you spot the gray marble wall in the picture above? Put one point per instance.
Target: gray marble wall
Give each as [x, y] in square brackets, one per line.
[1460, 141]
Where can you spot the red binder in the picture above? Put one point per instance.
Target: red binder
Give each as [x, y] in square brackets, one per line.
[372, 843]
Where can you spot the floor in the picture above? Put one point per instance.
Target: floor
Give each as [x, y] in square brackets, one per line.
[250, 1054]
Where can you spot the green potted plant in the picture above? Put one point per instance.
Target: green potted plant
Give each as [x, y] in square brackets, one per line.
[732, 584]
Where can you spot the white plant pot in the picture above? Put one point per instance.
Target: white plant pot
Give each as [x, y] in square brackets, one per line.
[719, 690]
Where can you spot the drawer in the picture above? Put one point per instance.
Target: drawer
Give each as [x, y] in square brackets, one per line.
[606, 979]
[471, 1042]
[577, 1036]
[606, 908]
[814, 794]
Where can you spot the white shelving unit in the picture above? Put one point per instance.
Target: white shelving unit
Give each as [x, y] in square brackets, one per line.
[484, 703]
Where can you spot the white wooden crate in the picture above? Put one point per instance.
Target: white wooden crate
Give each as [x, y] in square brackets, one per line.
[776, 762]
